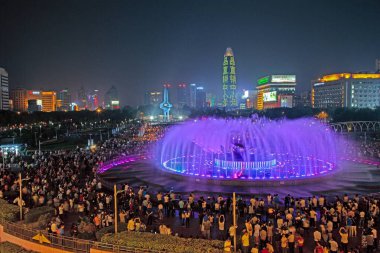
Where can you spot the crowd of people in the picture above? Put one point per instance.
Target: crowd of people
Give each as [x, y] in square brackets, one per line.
[67, 181]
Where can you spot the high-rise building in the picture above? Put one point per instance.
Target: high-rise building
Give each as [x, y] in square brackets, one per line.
[93, 100]
[248, 99]
[49, 101]
[4, 90]
[19, 97]
[200, 98]
[193, 94]
[229, 80]
[377, 69]
[352, 90]
[183, 96]
[276, 91]
[82, 98]
[111, 99]
[153, 98]
[65, 100]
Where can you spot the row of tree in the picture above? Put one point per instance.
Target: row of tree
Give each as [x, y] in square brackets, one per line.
[9, 117]
[334, 115]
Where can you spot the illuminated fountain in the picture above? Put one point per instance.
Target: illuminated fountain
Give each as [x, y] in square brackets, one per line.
[253, 149]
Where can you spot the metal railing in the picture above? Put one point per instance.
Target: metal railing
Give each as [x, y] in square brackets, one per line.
[67, 243]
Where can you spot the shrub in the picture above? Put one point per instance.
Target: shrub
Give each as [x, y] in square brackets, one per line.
[165, 243]
[35, 213]
[108, 230]
[8, 211]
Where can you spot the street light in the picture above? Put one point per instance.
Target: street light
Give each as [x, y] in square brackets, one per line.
[20, 179]
[115, 192]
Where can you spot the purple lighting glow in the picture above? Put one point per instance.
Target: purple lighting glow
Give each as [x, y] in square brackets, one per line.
[250, 149]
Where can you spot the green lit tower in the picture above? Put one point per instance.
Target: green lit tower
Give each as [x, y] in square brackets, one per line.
[229, 80]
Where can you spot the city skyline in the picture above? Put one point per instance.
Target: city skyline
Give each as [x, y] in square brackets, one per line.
[138, 46]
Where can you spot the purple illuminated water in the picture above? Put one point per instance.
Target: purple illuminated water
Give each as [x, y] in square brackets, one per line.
[250, 149]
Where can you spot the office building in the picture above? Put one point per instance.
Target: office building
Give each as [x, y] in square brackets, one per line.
[248, 99]
[34, 105]
[200, 98]
[229, 80]
[63, 100]
[183, 95]
[153, 98]
[193, 95]
[49, 101]
[93, 100]
[275, 91]
[19, 97]
[82, 99]
[111, 99]
[351, 90]
[4, 90]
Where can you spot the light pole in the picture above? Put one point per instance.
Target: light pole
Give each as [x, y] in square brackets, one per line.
[20, 197]
[115, 192]
[20, 131]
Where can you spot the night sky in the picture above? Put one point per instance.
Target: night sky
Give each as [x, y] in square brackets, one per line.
[139, 45]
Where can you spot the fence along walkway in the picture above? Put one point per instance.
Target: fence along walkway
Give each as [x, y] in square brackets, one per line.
[70, 244]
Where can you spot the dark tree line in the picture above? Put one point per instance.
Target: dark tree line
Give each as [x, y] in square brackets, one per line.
[9, 117]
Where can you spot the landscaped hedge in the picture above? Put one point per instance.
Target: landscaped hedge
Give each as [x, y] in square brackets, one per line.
[107, 230]
[8, 211]
[8, 247]
[34, 214]
[167, 243]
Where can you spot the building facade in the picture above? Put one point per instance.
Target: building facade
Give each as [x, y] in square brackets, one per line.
[183, 95]
[49, 101]
[153, 98]
[64, 100]
[351, 90]
[275, 91]
[229, 80]
[4, 90]
[111, 99]
[19, 97]
[200, 98]
[34, 105]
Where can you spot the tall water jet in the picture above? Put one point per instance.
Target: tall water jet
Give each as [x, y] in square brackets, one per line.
[254, 149]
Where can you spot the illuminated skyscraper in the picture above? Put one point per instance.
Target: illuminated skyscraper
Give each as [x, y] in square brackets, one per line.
[4, 90]
[229, 80]
[65, 97]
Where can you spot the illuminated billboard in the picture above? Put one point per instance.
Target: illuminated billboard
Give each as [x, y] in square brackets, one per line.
[245, 95]
[270, 96]
[263, 80]
[283, 78]
[114, 102]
